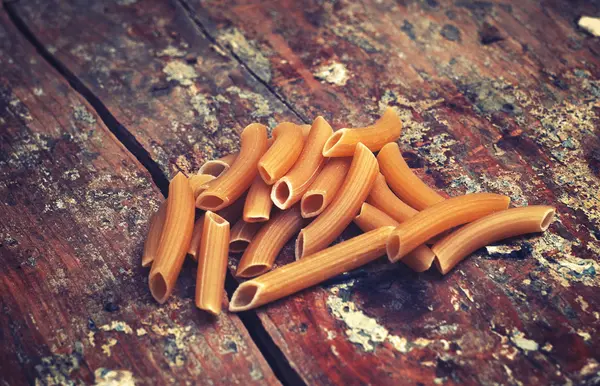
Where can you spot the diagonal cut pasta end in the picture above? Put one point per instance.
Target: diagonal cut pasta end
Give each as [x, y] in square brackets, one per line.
[392, 247]
[245, 296]
[281, 193]
[333, 141]
[265, 175]
[159, 287]
[547, 219]
[252, 270]
[299, 250]
[312, 204]
[210, 201]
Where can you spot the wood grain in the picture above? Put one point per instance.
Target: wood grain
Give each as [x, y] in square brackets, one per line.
[74, 208]
[494, 97]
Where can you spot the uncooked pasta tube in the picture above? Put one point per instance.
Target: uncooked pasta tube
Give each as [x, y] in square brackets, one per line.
[343, 141]
[289, 189]
[283, 153]
[196, 237]
[325, 186]
[175, 238]
[242, 233]
[258, 202]
[311, 270]
[231, 185]
[212, 263]
[403, 181]
[441, 217]
[157, 222]
[198, 182]
[489, 229]
[219, 166]
[336, 217]
[268, 242]
[385, 200]
[234, 212]
[370, 218]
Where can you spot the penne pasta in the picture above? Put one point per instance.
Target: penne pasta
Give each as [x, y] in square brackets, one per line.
[174, 240]
[157, 222]
[198, 182]
[385, 200]
[343, 141]
[268, 242]
[242, 233]
[234, 212]
[441, 217]
[288, 142]
[322, 191]
[310, 271]
[336, 217]
[289, 189]
[369, 218]
[212, 263]
[489, 229]
[224, 190]
[407, 186]
[219, 166]
[257, 207]
[196, 237]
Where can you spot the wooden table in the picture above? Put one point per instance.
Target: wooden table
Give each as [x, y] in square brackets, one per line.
[102, 103]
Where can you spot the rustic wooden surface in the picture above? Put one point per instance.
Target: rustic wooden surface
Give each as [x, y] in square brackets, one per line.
[74, 204]
[495, 96]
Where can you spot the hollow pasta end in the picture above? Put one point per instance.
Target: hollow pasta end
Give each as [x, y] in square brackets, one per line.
[158, 287]
[244, 297]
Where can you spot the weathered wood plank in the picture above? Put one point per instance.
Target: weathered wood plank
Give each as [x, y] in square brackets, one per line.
[496, 97]
[493, 116]
[74, 205]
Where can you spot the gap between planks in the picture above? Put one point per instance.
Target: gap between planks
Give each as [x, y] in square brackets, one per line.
[272, 354]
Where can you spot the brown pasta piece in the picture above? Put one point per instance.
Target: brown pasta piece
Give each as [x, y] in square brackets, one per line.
[385, 200]
[268, 242]
[441, 217]
[157, 222]
[311, 270]
[257, 207]
[323, 189]
[242, 235]
[336, 217]
[403, 181]
[196, 237]
[343, 141]
[370, 218]
[283, 153]
[289, 189]
[198, 182]
[224, 190]
[212, 263]
[218, 166]
[490, 229]
[175, 238]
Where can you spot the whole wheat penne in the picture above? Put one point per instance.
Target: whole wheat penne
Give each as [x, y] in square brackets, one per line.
[336, 217]
[385, 200]
[343, 141]
[283, 153]
[369, 218]
[219, 166]
[311, 270]
[489, 229]
[242, 234]
[323, 189]
[174, 240]
[403, 181]
[441, 217]
[198, 181]
[257, 207]
[157, 221]
[268, 242]
[234, 212]
[212, 263]
[289, 189]
[231, 185]
[196, 237]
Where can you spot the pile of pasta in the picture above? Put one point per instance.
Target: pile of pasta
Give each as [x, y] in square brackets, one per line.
[319, 182]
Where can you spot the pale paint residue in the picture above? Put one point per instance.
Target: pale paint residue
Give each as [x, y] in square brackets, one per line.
[141, 331]
[260, 105]
[454, 299]
[180, 72]
[106, 348]
[172, 51]
[584, 305]
[467, 293]
[590, 24]
[181, 338]
[91, 338]
[584, 334]
[105, 377]
[334, 73]
[117, 325]
[590, 367]
[246, 50]
[518, 338]
[503, 250]
[547, 347]
[330, 334]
